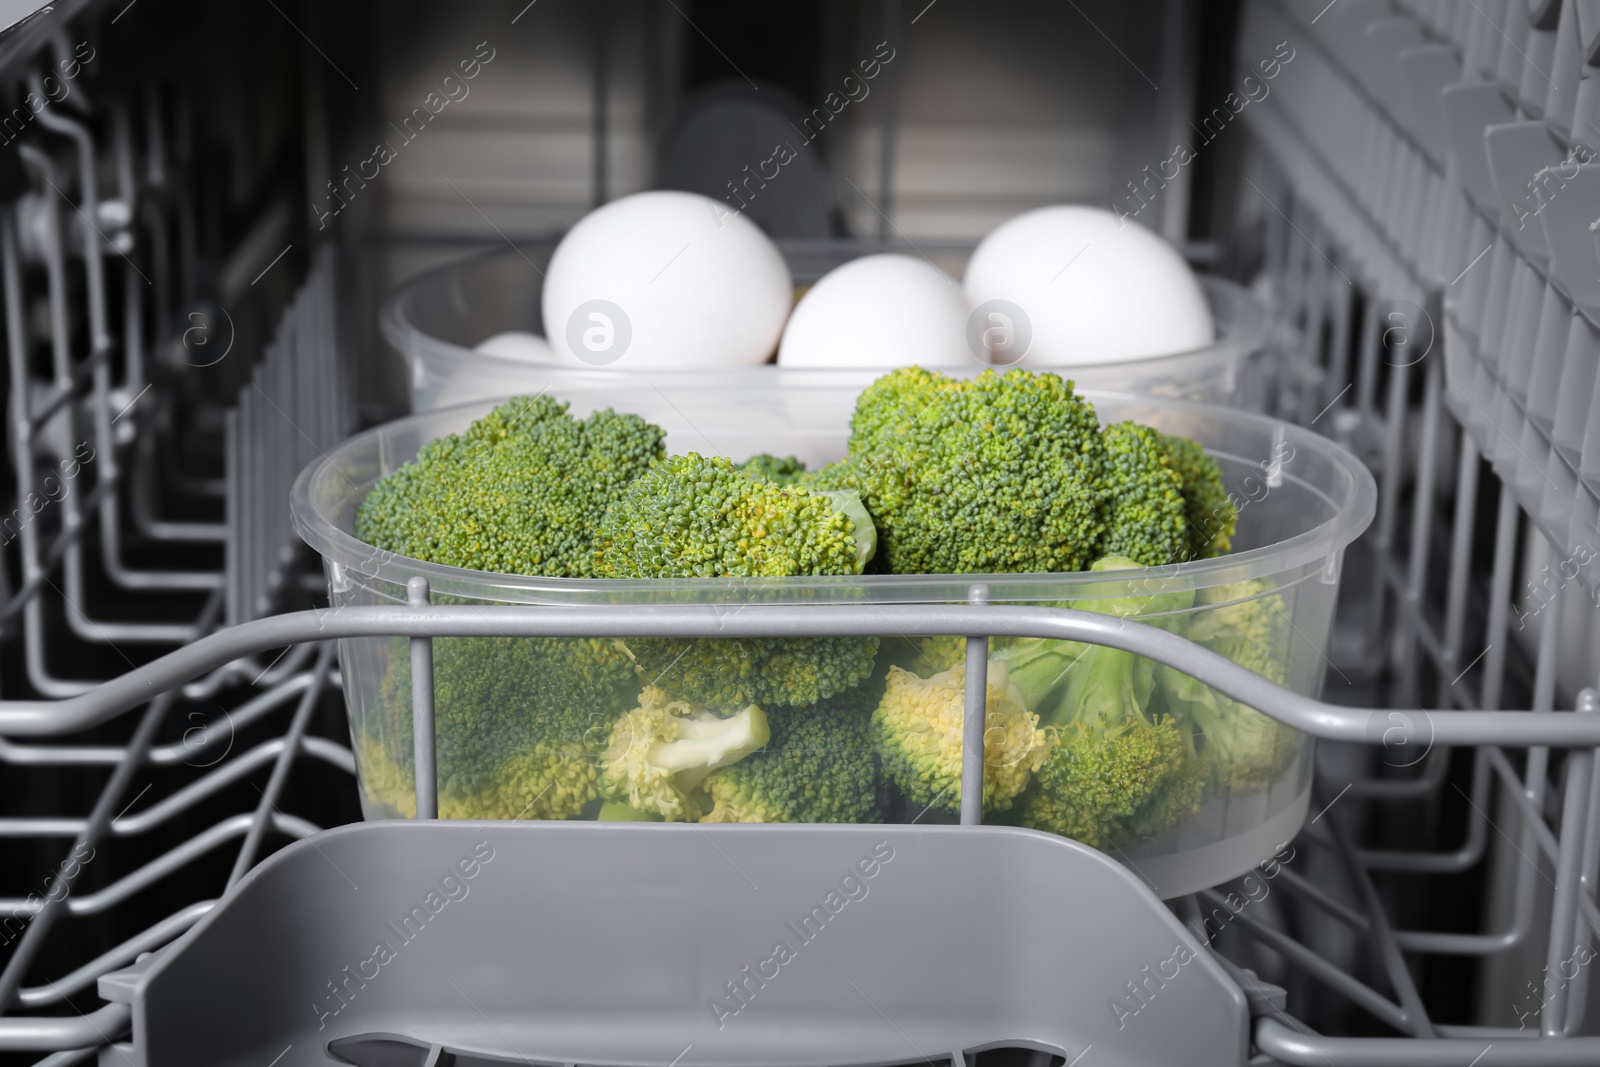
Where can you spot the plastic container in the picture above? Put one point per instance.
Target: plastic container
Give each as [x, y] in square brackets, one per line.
[1304, 500]
[435, 320]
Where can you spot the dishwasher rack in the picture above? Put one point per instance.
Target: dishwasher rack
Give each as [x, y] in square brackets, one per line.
[1391, 172]
[1276, 1032]
[151, 440]
[111, 280]
[1366, 216]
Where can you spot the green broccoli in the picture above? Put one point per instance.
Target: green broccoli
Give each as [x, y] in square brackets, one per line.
[891, 405]
[1117, 767]
[1102, 784]
[1069, 681]
[519, 722]
[1145, 507]
[818, 767]
[383, 781]
[1246, 622]
[1209, 512]
[519, 492]
[926, 656]
[1177, 795]
[661, 753]
[697, 517]
[694, 516]
[786, 470]
[1003, 472]
[999, 473]
[617, 811]
[918, 730]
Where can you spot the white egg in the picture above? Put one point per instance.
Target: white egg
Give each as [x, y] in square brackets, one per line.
[518, 345]
[1091, 288]
[666, 280]
[879, 311]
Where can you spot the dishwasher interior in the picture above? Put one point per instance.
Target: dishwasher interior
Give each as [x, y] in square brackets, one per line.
[221, 231]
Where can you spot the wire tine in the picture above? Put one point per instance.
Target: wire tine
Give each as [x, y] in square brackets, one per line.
[280, 769]
[1416, 1014]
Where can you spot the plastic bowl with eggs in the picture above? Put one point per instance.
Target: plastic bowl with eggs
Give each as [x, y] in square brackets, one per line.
[671, 286]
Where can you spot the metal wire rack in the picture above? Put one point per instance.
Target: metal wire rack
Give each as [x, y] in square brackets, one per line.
[1373, 236]
[1367, 215]
[138, 464]
[1276, 1032]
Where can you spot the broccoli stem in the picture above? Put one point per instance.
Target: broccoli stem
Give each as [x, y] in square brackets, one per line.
[706, 743]
[617, 811]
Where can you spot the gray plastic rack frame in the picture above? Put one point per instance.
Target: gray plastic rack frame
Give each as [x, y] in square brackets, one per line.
[564, 943]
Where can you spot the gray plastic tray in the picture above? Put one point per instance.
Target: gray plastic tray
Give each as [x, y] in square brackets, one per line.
[568, 943]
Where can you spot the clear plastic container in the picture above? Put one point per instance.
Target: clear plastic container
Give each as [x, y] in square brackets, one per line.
[1304, 499]
[435, 320]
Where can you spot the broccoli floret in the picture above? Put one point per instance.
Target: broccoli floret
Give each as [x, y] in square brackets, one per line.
[842, 482]
[697, 517]
[926, 656]
[1178, 794]
[819, 766]
[1118, 767]
[779, 671]
[1102, 783]
[999, 473]
[1245, 622]
[1209, 512]
[918, 729]
[839, 474]
[519, 722]
[382, 780]
[786, 470]
[891, 404]
[518, 493]
[661, 752]
[1145, 508]
[694, 516]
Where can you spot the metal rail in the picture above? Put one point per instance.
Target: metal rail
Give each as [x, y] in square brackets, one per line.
[1296, 1045]
[36, 718]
